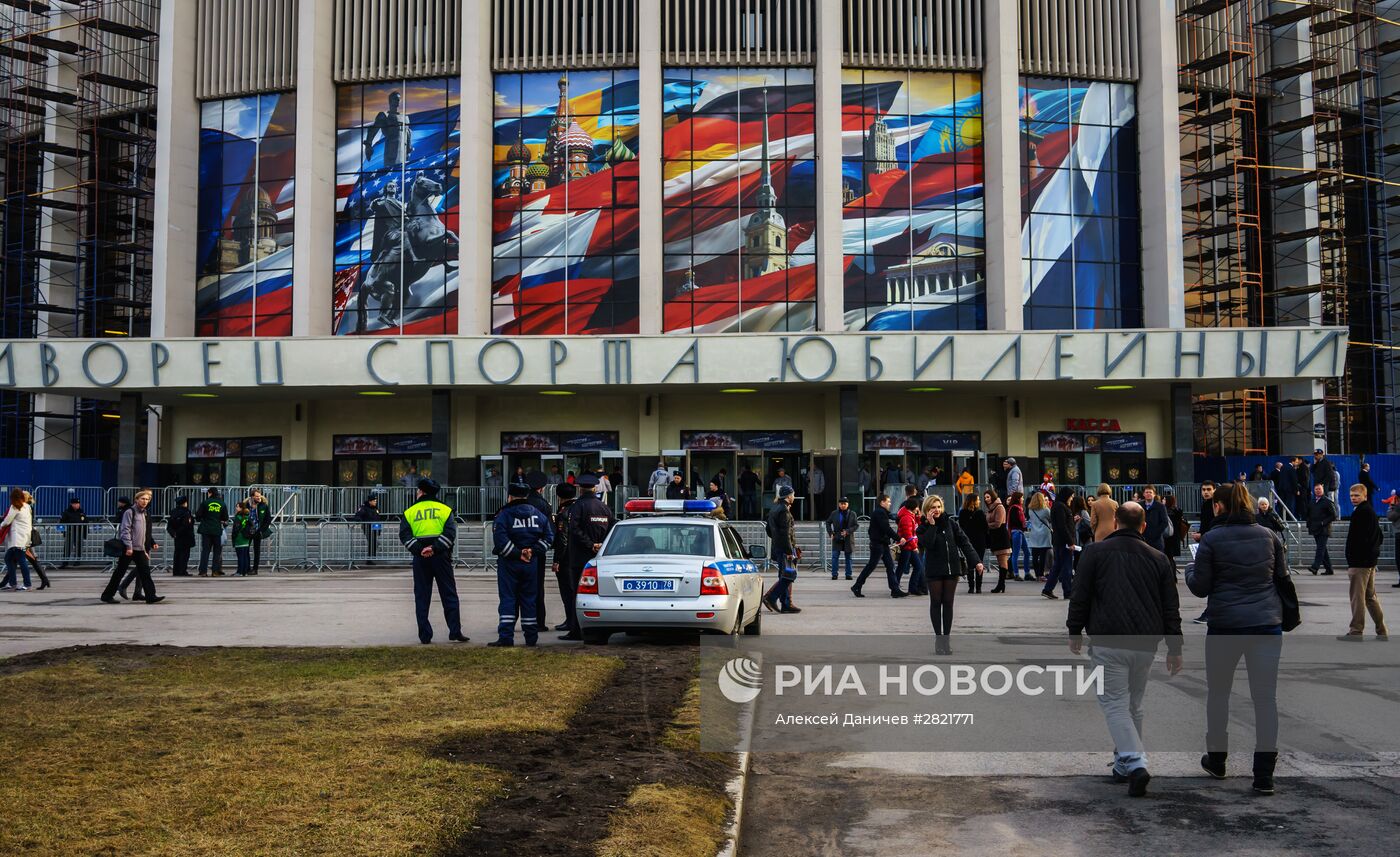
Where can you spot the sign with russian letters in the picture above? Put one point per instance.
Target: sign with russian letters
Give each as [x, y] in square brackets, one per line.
[1207, 358]
[1092, 425]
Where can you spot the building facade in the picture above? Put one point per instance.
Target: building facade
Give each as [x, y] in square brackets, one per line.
[827, 236]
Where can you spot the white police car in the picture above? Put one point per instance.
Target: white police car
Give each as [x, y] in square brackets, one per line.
[673, 568]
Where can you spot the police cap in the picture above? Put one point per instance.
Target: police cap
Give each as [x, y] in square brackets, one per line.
[587, 480]
[535, 480]
[565, 491]
[518, 489]
[429, 486]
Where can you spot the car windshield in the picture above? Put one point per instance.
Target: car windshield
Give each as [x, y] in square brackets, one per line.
[674, 539]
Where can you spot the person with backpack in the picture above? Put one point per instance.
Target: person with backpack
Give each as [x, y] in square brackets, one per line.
[180, 528]
[138, 541]
[1364, 539]
[241, 534]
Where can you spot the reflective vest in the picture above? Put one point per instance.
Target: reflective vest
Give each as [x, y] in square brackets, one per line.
[428, 518]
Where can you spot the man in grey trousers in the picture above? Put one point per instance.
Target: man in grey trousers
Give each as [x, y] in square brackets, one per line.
[1125, 597]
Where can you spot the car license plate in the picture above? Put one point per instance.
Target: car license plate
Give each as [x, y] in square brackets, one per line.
[648, 585]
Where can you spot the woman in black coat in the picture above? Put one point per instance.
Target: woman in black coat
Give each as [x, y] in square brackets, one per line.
[946, 551]
[1242, 572]
[974, 522]
[1180, 528]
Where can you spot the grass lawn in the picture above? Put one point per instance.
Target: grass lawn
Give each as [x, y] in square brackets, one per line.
[267, 751]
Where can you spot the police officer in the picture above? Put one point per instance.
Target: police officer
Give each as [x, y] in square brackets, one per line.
[519, 535]
[568, 587]
[537, 480]
[212, 516]
[429, 531]
[590, 521]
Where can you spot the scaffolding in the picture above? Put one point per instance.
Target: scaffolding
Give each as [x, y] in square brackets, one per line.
[77, 126]
[1285, 206]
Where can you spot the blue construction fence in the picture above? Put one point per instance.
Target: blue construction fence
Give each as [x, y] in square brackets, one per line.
[1385, 470]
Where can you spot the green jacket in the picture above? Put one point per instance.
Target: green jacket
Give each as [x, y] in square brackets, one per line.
[212, 515]
[242, 534]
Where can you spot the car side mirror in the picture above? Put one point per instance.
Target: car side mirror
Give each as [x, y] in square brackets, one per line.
[758, 552]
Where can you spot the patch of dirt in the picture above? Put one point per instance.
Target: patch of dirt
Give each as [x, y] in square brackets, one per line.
[114, 657]
[565, 785]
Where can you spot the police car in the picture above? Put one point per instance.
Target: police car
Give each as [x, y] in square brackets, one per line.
[671, 568]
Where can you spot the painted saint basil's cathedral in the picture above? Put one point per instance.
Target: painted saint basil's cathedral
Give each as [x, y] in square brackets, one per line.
[567, 150]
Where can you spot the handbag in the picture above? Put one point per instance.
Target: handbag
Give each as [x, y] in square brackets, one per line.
[34, 538]
[1288, 598]
[114, 548]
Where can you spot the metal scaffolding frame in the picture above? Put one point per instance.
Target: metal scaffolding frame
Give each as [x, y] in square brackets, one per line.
[77, 140]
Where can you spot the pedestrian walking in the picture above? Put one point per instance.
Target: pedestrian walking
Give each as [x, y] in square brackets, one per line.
[180, 527]
[748, 494]
[947, 554]
[841, 531]
[1064, 542]
[1207, 516]
[1038, 535]
[15, 529]
[1177, 527]
[660, 478]
[1125, 598]
[590, 521]
[1364, 478]
[1321, 515]
[1103, 513]
[1020, 567]
[139, 542]
[35, 540]
[1015, 482]
[429, 532]
[974, 523]
[998, 536]
[907, 521]
[715, 491]
[1364, 540]
[782, 533]
[241, 535]
[371, 517]
[1324, 473]
[520, 534]
[883, 532]
[211, 517]
[966, 485]
[1083, 529]
[1241, 571]
[73, 522]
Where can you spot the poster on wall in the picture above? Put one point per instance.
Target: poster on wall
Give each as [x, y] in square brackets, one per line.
[262, 447]
[588, 441]
[1080, 234]
[358, 444]
[1126, 443]
[739, 200]
[776, 441]
[911, 183]
[526, 441]
[715, 440]
[247, 187]
[906, 440]
[564, 225]
[410, 444]
[945, 441]
[204, 449]
[396, 229]
[1061, 442]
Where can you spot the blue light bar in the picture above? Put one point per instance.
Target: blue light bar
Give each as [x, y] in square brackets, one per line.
[683, 506]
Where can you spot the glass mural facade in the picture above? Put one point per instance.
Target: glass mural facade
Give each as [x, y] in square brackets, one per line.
[247, 166]
[396, 242]
[739, 199]
[911, 185]
[1080, 236]
[564, 226]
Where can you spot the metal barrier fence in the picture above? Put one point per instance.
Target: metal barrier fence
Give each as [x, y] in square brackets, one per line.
[73, 543]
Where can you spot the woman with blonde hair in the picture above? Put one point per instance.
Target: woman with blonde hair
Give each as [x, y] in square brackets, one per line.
[34, 541]
[1038, 533]
[946, 551]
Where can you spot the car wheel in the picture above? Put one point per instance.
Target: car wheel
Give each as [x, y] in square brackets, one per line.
[755, 628]
[738, 622]
[596, 638]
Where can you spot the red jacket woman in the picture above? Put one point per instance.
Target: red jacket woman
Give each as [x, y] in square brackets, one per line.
[906, 523]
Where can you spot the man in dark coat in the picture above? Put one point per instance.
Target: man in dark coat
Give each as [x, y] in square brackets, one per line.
[1365, 480]
[212, 516]
[537, 480]
[782, 531]
[1285, 480]
[1064, 540]
[1125, 597]
[590, 521]
[180, 527]
[882, 532]
[74, 521]
[841, 530]
[1364, 540]
[1321, 513]
[1324, 473]
[371, 516]
[1155, 519]
[261, 514]
[568, 586]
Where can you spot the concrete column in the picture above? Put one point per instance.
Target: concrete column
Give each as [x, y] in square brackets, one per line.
[130, 451]
[464, 440]
[1159, 150]
[1183, 435]
[1001, 168]
[177, 175]
[442, 434]
[830, 286]
[650, 265]
[313, 231]
[474, 170]
[649, 424]
[850, 440]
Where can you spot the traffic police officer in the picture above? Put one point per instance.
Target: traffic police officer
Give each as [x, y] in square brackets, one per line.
[429, 531]
[563, 574]
[590, 520]
[520, 534]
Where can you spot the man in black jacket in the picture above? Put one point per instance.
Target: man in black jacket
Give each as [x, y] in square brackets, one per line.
[841, 529]
[882, 533]
[1285, 480]
[1321, 514]
[74, 521]
[212, 516]
[1156, 520]
[782, 532]
[180, 528]
[537, 480]
[1364, 539]
[1064, 542]
[568, 587]
[1125, 597]
[371, 516]
[590, 521]
[1324, 473]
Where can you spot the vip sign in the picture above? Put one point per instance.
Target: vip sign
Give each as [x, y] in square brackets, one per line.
[1092, 425]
